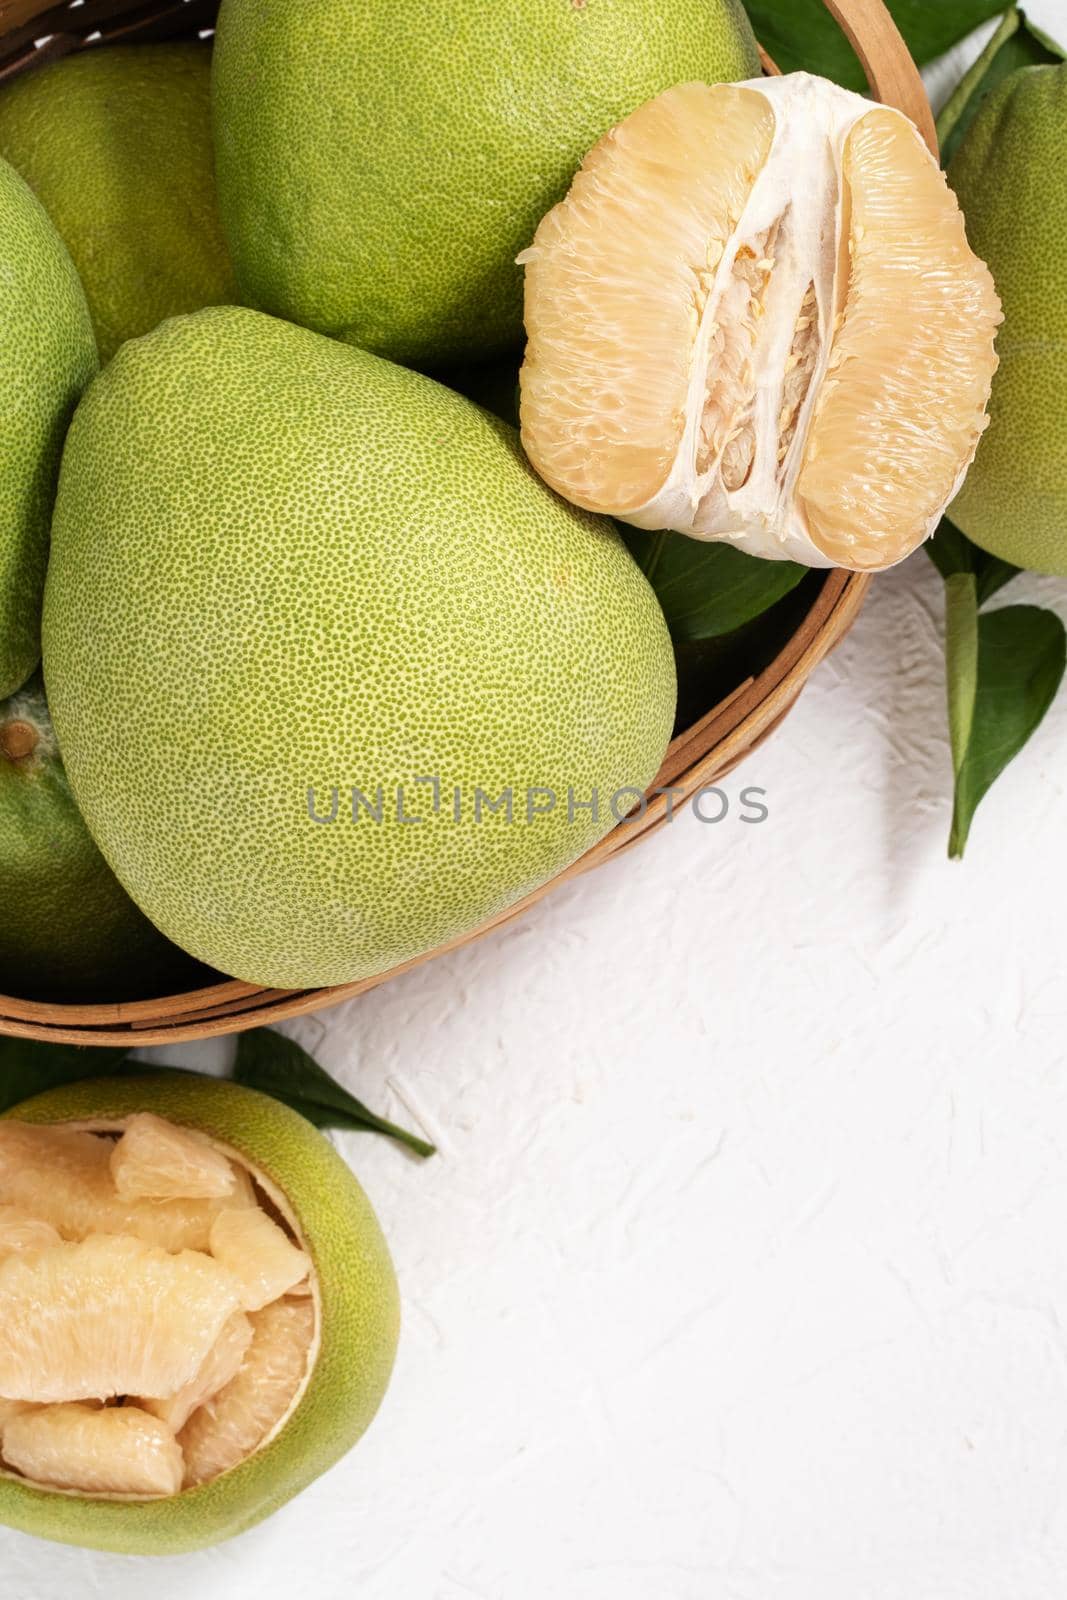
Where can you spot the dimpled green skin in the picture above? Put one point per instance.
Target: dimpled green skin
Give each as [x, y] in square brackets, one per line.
[69, 932]
[1010, 174]
[359, 1319]
[116, 143]
[47, 356]
[280, 564]
[381, 166]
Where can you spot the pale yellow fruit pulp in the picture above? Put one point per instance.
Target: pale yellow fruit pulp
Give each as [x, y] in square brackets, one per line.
[63, 1176]
[259, 1255]
[222, 1362]
[249, 1408]
[97, 1449]
[111, 1315]
[110, 1344]
[154, 1160]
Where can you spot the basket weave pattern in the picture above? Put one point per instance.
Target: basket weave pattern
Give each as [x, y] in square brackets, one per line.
[33, 31]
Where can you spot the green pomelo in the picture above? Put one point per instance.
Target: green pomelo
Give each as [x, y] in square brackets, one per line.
[284, 569]
[358, 1318]
[69, 932]
[116, 143]
[1011, 178]
[47, 356]
[381, 166]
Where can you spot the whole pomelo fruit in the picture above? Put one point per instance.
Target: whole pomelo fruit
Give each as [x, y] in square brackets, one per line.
[380, 167]
[69, 932]
[1011, 178]
[350, 1301]
[116, 143]
[284, 570]
[47, 356]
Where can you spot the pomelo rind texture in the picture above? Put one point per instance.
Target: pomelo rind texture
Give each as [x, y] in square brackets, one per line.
[116, 143]
[283, 569]
[380, 166]
[47, 356]
[1011, 179]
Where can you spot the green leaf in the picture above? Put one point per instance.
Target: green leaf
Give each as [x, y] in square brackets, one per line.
[30, 1066]
[1016, 43]
[802, 33]
[276, 1065]
[707, 588]
[951, 551]
[961, 661]
[1003, 672]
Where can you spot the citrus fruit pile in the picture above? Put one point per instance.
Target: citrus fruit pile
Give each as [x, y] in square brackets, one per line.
[197, 1311]
[309, 663]
[336, 668]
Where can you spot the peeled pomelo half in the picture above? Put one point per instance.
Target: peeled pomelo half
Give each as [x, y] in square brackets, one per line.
[755, 317]
[227, 1415]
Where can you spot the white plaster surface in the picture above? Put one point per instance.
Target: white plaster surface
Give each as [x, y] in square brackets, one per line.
[742, 1271]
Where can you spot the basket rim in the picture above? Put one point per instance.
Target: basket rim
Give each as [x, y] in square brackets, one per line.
[706, 750]
[747, 716]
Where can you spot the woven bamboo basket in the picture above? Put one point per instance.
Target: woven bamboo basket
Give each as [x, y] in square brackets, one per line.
[33, 31]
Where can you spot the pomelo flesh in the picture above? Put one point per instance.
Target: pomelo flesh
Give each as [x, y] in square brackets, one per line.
[111, 1315]
[258, 1254]
[238, 1418]
[63, 1176]
[155, 1160]
[96, 1449]
[222, 1362]
[756, 318]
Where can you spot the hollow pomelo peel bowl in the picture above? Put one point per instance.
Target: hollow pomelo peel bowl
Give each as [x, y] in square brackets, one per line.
[248, 1400]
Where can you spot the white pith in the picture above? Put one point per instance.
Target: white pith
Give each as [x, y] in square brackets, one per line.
[761, 516]
[280, 1201]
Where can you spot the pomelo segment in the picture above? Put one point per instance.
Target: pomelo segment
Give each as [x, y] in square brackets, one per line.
[63, 1176]
[243, 1414]
[109, 1316]
[756, 318]
[10, 1409]
[98, 1450]
[258, 1254]
[221, 1363]
[155, 1160]
[21, 1231]
[902, 403]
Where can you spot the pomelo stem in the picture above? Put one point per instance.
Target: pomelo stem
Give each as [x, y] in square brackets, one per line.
[18, 739]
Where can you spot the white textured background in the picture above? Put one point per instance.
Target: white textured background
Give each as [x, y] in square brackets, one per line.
[742, 1271]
